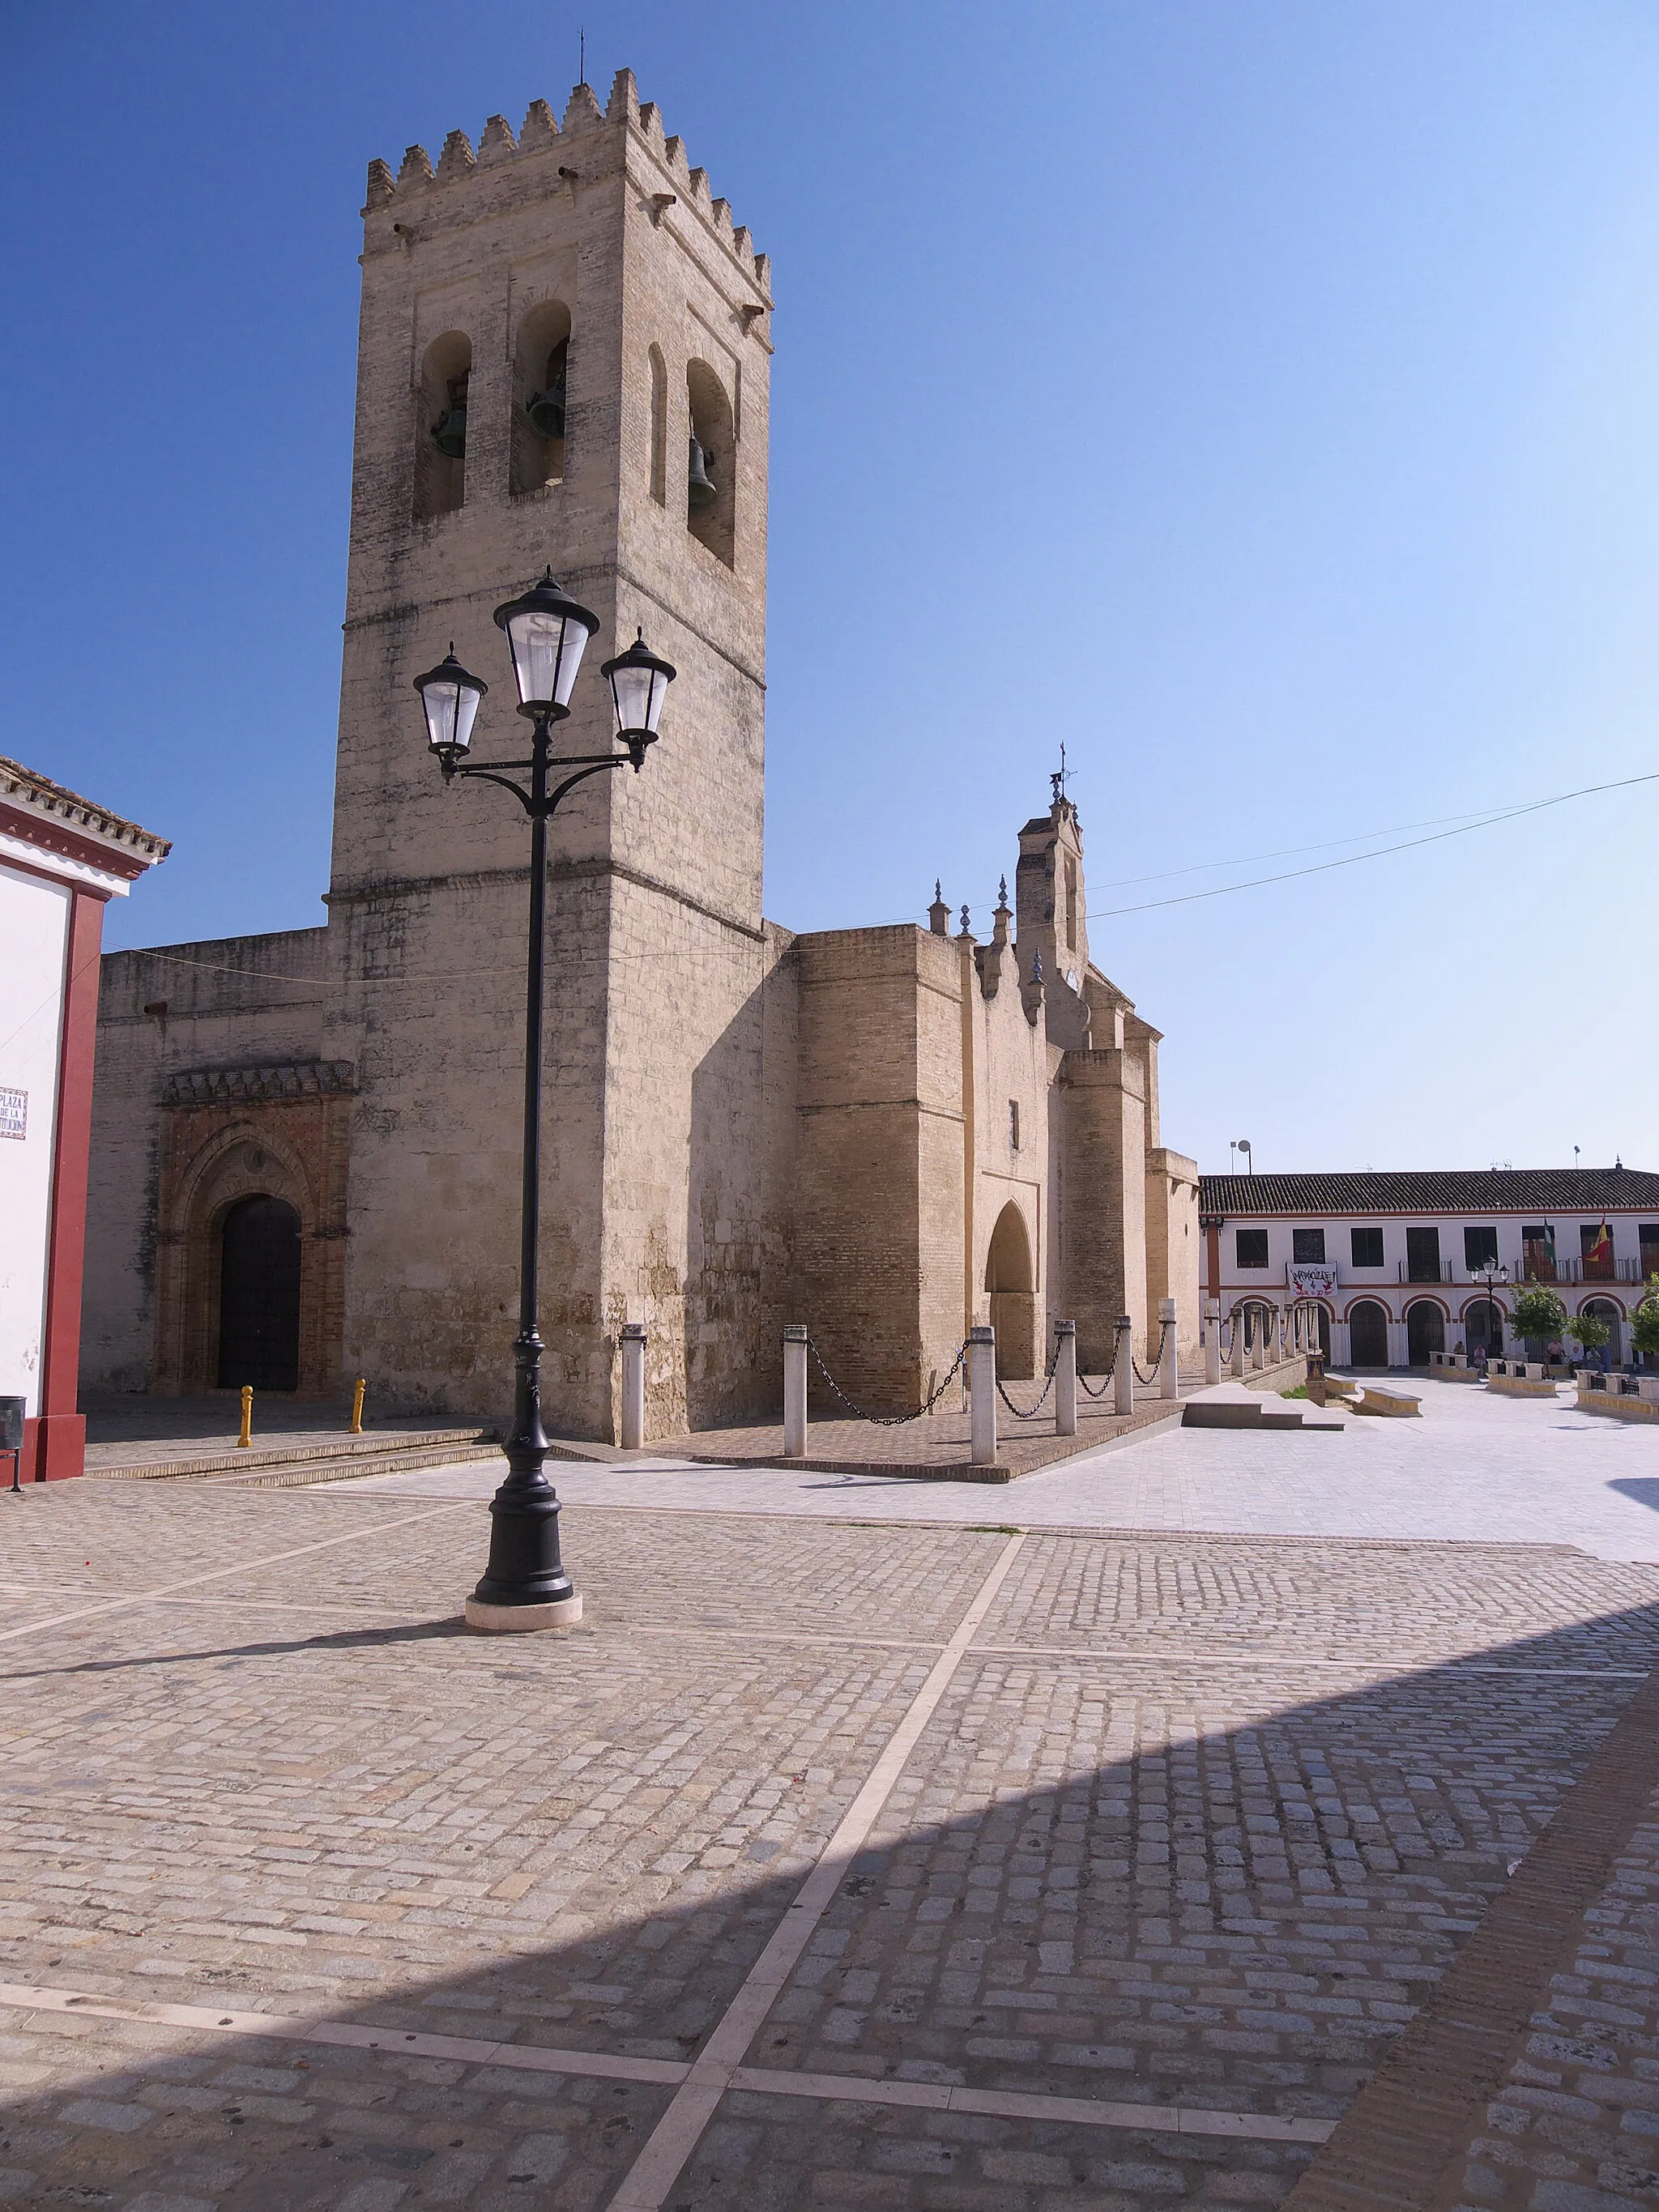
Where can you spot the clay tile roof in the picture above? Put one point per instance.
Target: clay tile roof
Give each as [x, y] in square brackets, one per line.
[1476, 1191]
[32, 788]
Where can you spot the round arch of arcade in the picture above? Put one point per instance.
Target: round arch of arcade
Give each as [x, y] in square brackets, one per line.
[1481, 1321]
[1367, 1320]
[1611, 1310]
[248, 1268]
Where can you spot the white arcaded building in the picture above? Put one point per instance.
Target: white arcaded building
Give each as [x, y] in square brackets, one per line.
[1402, 1265]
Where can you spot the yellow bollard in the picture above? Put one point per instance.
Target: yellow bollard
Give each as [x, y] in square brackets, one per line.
[246, 1437]
[356, 1428]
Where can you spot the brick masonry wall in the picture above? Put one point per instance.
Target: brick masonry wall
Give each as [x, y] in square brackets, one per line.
[1174, 1244]
[1105, 1237]
[873, 1071]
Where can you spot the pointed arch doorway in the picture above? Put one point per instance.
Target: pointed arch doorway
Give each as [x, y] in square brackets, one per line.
[259, 1295]
[1010, 1280]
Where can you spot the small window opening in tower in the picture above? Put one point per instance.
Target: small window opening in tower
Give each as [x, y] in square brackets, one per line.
[1070, 901]
[440, 426]
[710, 464]
[659, 427]
[540, 442]
[1013, 1125]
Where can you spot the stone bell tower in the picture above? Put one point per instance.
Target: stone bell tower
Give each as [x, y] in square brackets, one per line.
[547, 325]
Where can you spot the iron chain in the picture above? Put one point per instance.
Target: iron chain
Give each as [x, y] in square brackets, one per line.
[1053, 1363]
[1111, 1369]
[887, 1421]
[1147, 1381]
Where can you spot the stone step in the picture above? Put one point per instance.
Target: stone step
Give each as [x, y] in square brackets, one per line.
[343, 1455]
[296, 1474]
[1229, 1406]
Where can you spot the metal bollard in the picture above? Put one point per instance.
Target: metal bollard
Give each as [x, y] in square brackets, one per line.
[246, 1437]
[982, 1389]
[795, 1390]
[633, 1389]
[1123, 1366]
[1065, 1379]
[1169, 1365]
[356, 1428]
[1212, 1340]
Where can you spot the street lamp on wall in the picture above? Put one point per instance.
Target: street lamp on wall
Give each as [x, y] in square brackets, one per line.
[525, 1584]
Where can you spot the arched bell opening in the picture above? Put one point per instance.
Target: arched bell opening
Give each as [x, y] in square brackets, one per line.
[540, 441]
[1011, 1281]
[1368, 1335]
[711, 463]
[659, 427]
[1425, 1331]
[259, 1268]
[440, 426]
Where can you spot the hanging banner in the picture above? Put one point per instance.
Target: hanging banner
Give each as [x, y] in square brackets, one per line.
[1312, 1282]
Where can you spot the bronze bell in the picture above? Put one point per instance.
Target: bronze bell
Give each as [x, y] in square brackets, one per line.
[546, 408]
[449, 436]
[699, 491]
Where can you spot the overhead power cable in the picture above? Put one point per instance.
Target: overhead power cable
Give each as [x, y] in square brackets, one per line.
[1352, 859]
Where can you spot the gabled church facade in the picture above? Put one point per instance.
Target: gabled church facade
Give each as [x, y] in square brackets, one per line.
[304, 1154]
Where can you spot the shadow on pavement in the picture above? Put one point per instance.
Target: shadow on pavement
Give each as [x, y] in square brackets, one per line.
[1201, 1894]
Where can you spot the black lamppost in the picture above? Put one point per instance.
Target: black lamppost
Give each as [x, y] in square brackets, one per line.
[527, 1584]
[1491, 1274]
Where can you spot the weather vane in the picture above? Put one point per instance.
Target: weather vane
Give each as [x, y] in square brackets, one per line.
[1057, 780]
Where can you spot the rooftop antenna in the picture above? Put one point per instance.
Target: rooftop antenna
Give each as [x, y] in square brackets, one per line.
[1244, 1147]
[581, 55]
[1575, 1156]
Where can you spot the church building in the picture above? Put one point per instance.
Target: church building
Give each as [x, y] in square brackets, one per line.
[305, 1155]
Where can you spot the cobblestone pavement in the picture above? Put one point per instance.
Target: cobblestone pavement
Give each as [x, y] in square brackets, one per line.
[1575, 2125]
[828, 1865]
[1474, 1466]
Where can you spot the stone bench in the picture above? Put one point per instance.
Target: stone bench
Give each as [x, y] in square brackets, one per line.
[1519, 1378]
[1451, 1367]
[1392, 1404]
[1626, 1397]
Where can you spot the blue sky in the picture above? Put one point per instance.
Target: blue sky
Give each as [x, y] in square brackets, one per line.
[1262, 399]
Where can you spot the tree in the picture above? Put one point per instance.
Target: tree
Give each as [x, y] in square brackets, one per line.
[1644, 1322]
[1538, 1315]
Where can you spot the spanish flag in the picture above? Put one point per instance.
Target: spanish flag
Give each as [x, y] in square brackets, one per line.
[1601, 1252]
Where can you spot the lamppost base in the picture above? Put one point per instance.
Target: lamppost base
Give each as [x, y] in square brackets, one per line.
[507, 1620]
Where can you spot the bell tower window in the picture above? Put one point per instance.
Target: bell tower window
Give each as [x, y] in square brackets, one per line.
[440, 426]
[1070, 903]
[710, 464]
[659, 427]
[541, 373]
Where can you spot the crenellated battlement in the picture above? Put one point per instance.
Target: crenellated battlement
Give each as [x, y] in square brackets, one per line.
[540, 134]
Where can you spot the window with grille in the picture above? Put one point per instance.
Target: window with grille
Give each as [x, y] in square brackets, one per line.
[1252, 1245]
[1479, 1250]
